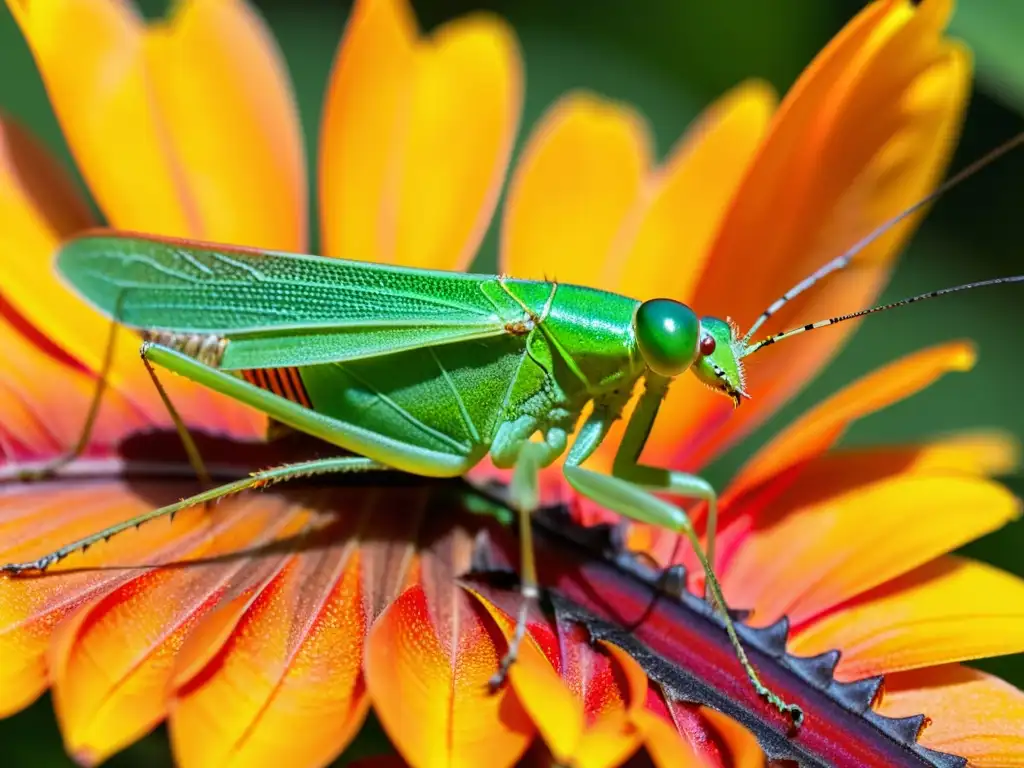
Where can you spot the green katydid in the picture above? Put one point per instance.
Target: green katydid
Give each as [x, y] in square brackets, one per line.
[428, 372]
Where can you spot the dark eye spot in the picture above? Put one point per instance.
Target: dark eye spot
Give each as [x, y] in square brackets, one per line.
[707, 345]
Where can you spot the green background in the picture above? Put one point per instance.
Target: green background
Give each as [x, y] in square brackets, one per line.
[670, 59]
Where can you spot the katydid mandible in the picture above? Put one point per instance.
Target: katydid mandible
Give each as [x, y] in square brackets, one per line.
[428, 372]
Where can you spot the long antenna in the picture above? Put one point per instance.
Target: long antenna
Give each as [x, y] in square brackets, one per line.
[882, 308]
[841, 261]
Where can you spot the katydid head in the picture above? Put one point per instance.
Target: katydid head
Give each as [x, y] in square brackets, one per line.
[673, 339]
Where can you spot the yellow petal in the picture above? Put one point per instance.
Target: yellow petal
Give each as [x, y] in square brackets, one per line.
[865, 132]
[416, 136]
[664, 246]
[847, 543]
[970, 713]
[186, 128]
[581, 172]
[949, 610]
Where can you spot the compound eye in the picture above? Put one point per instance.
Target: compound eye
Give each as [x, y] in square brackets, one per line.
[707, 345]
[668, 335]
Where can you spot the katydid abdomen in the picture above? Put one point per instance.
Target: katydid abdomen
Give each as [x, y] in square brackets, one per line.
[440, 371]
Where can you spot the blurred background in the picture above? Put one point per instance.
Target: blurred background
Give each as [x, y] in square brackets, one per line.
[670, 59]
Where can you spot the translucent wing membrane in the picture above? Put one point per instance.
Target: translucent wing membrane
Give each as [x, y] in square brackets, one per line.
[280, 309]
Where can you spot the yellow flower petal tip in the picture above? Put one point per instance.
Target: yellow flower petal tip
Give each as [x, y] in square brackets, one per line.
[127, 97]
[417, 135]
[580, 174]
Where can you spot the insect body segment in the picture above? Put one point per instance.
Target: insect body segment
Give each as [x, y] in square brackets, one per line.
[207, 348]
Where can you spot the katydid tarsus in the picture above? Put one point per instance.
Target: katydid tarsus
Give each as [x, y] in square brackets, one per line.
[428, 372]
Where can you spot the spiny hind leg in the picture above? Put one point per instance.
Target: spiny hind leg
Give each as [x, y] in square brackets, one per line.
[631, 500]
[53, 466]
[255, 480]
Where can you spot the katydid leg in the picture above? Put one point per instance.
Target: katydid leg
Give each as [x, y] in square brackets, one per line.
[395, 454]
[260, 479]
[524, 496]
[632, 501]
[627, 492]
[191, 449]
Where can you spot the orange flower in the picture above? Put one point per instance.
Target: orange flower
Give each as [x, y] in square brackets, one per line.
[299, 609]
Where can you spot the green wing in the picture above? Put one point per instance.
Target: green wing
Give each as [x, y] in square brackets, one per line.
[280, 309]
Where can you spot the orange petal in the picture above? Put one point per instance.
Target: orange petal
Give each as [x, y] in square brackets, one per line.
[662, 249]
[970, 713]
[110, 663]
[359, 137]
[618, 733]
[864, 133]
[741, 743]
[817, 429]
[949, 610]
[844, 544]
[580, 173]
[611, 690]
[416, 136]
[606, 721]
[979, 453]
[231, 126]
[663, 744]
[37, 209]
[186, 128]
[292, 663]
[692, 724]
[608, 742]
[37, 519]
[427, 667]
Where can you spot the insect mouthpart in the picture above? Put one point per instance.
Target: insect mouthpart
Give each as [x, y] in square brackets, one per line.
[718, 365]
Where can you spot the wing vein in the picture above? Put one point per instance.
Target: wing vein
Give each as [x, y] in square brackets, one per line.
[467, 419]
